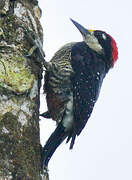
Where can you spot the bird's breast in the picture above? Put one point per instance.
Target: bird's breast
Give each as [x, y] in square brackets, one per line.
[58, 88]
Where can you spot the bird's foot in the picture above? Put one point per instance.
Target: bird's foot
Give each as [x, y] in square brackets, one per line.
[36, 46]
[35, 41]
[45, 174]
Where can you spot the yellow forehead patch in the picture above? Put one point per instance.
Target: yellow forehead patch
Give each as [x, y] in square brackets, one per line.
[91, 30]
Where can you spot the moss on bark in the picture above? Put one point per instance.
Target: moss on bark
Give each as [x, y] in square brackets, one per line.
[20, 81]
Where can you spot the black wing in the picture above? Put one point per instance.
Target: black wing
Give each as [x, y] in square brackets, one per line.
[89, 69]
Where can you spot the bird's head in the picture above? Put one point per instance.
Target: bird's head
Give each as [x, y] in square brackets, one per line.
[99, 41]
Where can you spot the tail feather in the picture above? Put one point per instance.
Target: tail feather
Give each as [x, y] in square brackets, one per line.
[72, 141]
[72, 137]
[56, 138]
[46, 115]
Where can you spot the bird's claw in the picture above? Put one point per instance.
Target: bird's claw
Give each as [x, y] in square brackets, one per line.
[45, 174]
[31, 51]
[37, 45]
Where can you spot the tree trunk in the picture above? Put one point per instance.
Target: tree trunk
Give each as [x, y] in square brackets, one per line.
[20, 81]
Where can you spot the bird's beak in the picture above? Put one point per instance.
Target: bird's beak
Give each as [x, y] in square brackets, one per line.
[83, 30]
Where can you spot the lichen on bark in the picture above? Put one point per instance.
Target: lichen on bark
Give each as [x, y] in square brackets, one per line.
[20, 81]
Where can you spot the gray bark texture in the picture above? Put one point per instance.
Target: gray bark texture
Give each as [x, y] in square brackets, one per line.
[20, 81]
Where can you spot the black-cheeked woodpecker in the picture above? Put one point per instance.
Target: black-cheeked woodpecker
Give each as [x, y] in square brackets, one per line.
[72, 84]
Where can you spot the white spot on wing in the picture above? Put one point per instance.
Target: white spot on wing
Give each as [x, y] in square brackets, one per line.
[104, 36]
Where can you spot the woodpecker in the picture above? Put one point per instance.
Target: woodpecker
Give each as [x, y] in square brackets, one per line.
[72, 85]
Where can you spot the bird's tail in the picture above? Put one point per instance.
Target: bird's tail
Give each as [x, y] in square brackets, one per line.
[72, 137]
[56, 138]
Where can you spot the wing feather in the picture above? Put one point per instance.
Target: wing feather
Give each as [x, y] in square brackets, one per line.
[87, 80]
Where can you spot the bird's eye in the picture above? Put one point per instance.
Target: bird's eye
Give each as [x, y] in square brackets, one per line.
[104, 36]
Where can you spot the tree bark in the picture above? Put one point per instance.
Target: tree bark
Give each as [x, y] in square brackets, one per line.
[20, 81]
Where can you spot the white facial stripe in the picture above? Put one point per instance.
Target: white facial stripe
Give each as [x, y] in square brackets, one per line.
[93, 43]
